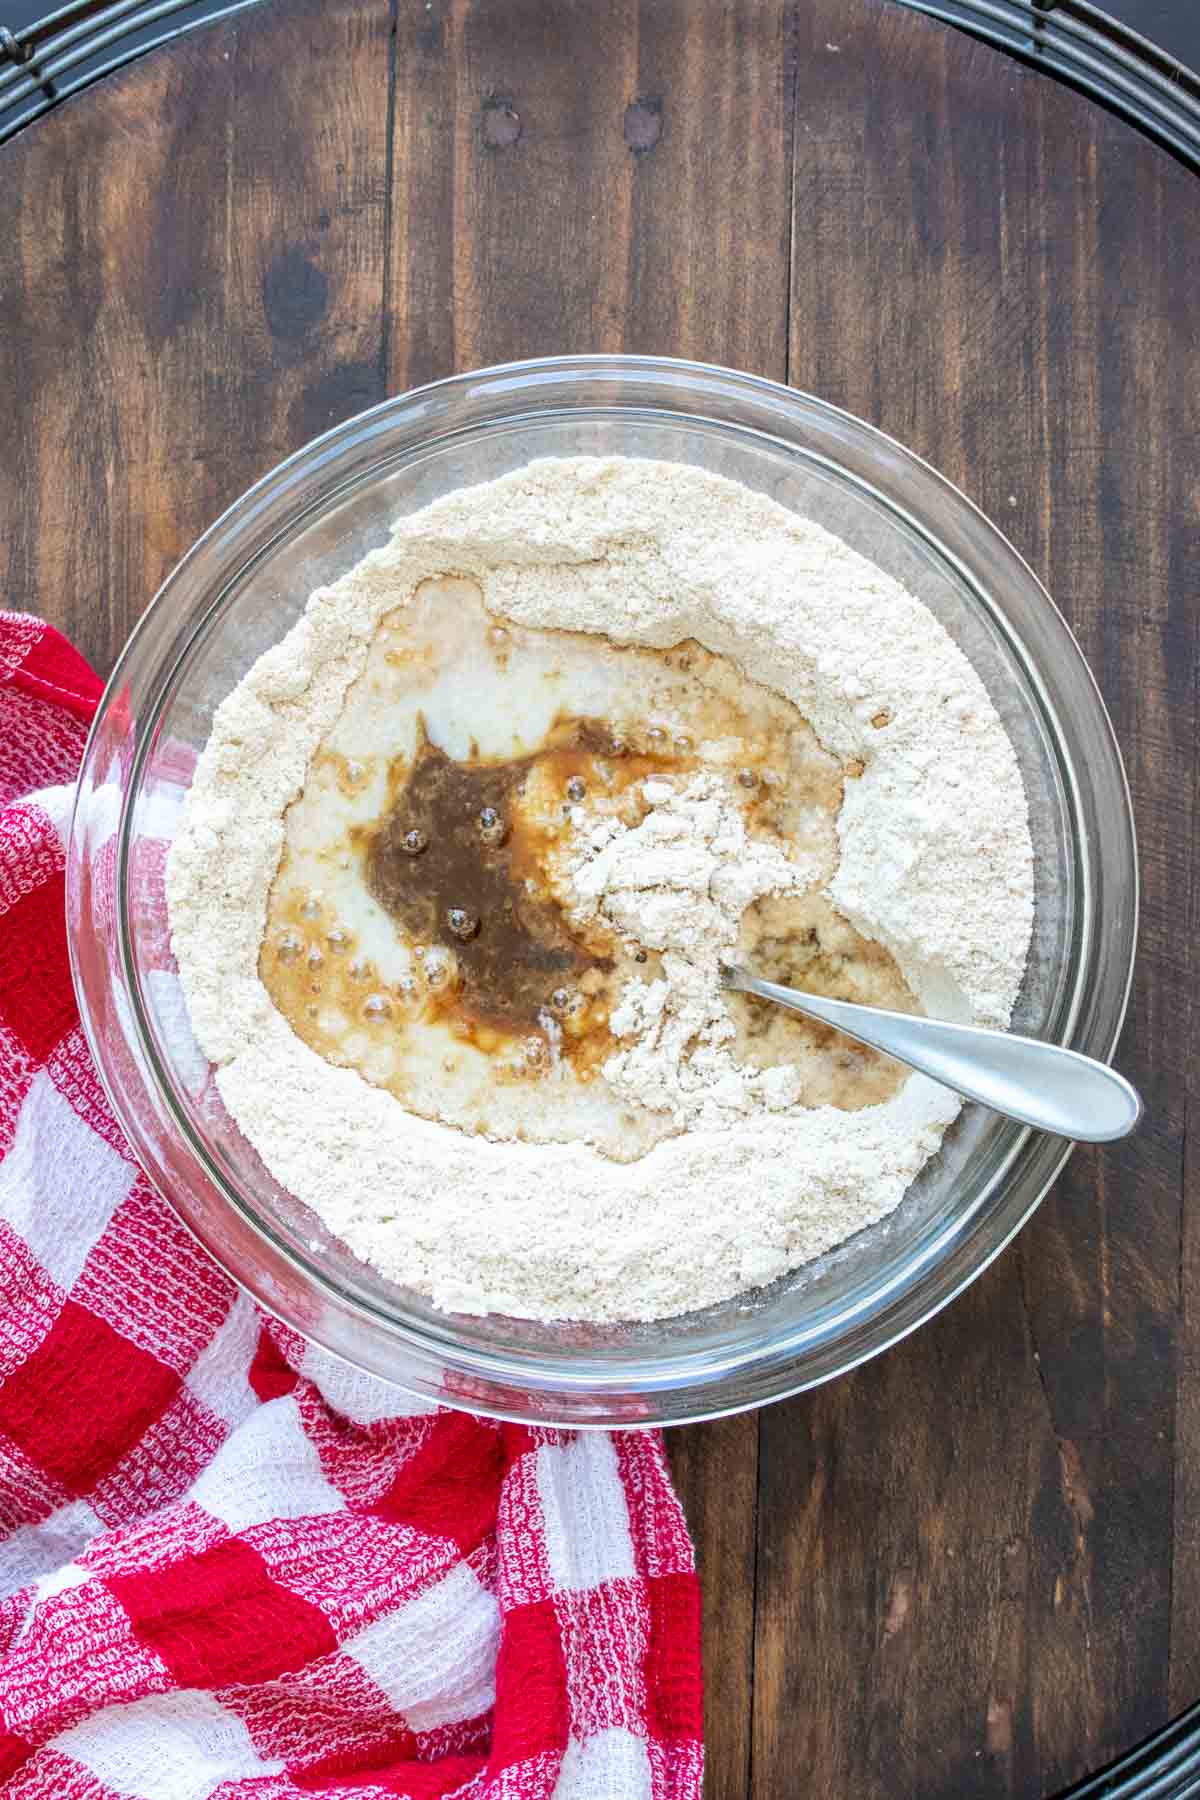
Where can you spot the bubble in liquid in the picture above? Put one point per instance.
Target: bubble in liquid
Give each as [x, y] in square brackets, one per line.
[772, 778]
[560, 1000]
[311, 908]
[414, 841]
[462, 922]
[439, 967]
[747, 778]
[492, 828]
[376, 1006]
[289, 947]
[498, 637]
[535, 1050]
[684, 744]
[406, 988]
[419, 952]
[355, 770]
[337, 939]
[315, 958]
[639, 956]
[656, 737]
[577, 789]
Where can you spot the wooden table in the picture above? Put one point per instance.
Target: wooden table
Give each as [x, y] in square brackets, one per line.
[972, 1568]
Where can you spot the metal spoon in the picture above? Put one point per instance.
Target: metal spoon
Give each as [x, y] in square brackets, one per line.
[1037, 1083]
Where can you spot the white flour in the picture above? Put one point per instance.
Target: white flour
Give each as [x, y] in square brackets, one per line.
[679, 883]
[935, 864]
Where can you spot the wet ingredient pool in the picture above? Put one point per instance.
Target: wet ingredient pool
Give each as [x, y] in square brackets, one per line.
[416, 929]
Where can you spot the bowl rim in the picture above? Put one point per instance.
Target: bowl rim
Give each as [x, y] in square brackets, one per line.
[575, 1374]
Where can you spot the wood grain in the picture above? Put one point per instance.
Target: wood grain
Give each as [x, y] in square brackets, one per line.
[971, 1569]
[192, 261]
[548, 203]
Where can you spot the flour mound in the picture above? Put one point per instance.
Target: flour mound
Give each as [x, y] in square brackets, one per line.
[679, 883]
[935, 864]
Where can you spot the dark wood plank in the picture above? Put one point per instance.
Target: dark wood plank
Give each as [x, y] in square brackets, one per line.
[716, 1473]
[891, 1655]
[419, 321]
[610, 176]
[1185, 1567]
[549, 201]
[965, 1565]
[192, 263]
[513, 189]
[711, 222]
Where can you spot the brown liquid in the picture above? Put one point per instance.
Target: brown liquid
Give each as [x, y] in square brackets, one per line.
[802, 941]
[521, 950]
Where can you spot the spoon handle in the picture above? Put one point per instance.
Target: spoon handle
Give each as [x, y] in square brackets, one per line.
[1037, 1083]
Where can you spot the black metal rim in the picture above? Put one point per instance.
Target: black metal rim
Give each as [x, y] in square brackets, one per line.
[1070, 40]
[43, 64]
[1165, 1767]
[1078, 44]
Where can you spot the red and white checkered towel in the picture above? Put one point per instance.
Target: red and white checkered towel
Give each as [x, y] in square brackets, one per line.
[229, 1566]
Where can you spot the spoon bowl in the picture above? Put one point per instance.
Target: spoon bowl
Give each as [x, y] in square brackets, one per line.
[1026, 1079]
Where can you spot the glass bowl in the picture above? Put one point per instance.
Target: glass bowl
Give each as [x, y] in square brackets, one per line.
[242, 587]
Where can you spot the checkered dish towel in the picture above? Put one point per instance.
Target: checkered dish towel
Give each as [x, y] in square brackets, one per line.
[229, 1566]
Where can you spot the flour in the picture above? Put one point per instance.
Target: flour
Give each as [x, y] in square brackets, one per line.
[934, 862]
[679, 883]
